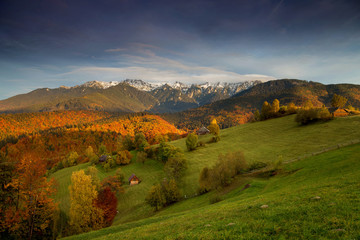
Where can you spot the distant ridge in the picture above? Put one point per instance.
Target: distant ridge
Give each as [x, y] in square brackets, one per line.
[130, 95]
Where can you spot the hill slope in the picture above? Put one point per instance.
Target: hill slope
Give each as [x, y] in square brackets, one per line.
[314, 198]
[228, 111]
[121, 97]
[263, 141]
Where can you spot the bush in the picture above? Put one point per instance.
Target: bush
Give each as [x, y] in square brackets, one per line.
[141, 157]
[191, 141]
[201, 144]
[256, 165]
[215, 198]
[221, 174]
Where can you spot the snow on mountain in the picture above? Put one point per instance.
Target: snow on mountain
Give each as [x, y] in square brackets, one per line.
[141, 85]
[207, 87]
[99, 84]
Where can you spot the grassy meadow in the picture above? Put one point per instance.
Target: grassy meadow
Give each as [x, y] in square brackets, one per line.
[316, 198]
[287, 195]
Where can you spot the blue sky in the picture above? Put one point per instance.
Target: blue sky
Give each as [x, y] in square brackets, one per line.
[49, 43]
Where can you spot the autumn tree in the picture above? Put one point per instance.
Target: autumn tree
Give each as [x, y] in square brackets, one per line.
[308, 105]
[84, 216]
[291, 108]
[265, 111]
[338, 101]
[107, 202]
[275, 106]
[191, 141]
[214, 129]
[123, 157]
[114, 183]
[90, 155]
[34, 211]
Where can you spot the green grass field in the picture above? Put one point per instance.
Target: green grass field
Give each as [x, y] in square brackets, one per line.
[263, 141]
[316, 198]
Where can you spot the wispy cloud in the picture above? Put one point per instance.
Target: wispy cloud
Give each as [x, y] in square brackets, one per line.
[116, 50]
[157, 75]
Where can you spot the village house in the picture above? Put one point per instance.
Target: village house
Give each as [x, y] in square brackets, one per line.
[338, 112]
[202, 131]
[133, 180]
[103, 158]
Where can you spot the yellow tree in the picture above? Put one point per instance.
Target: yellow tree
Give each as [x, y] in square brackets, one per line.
[84, 216]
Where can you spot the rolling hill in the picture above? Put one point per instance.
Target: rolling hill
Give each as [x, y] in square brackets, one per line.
[262, 141]
[244, 103]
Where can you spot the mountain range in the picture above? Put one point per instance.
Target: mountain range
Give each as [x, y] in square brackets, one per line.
[126, 96]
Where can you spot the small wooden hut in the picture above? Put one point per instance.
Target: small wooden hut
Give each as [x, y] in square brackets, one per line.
[103, 158]
[338, 112]
[202, 131]
[133, 180]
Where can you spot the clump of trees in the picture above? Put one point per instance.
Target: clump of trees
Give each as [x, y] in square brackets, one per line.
[84, 216]
[222, 173]
[28, 210]
[93, 204]
[310, 115]
[163, 194]
[274, 110]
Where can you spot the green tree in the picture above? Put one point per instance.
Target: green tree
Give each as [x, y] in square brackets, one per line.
[141, 157]
[84, 216]
[155, 197]
[128, 143]
[338, 101]
[140, 142]
[191, 141]
[256, 116]
[166, 151]
[175, 168]
[93, 173]
[103, 150]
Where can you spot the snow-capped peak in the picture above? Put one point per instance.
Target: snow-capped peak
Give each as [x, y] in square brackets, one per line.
[140, 84]
[99, 84]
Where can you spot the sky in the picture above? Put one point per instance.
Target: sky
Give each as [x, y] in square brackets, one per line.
[49, 43]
